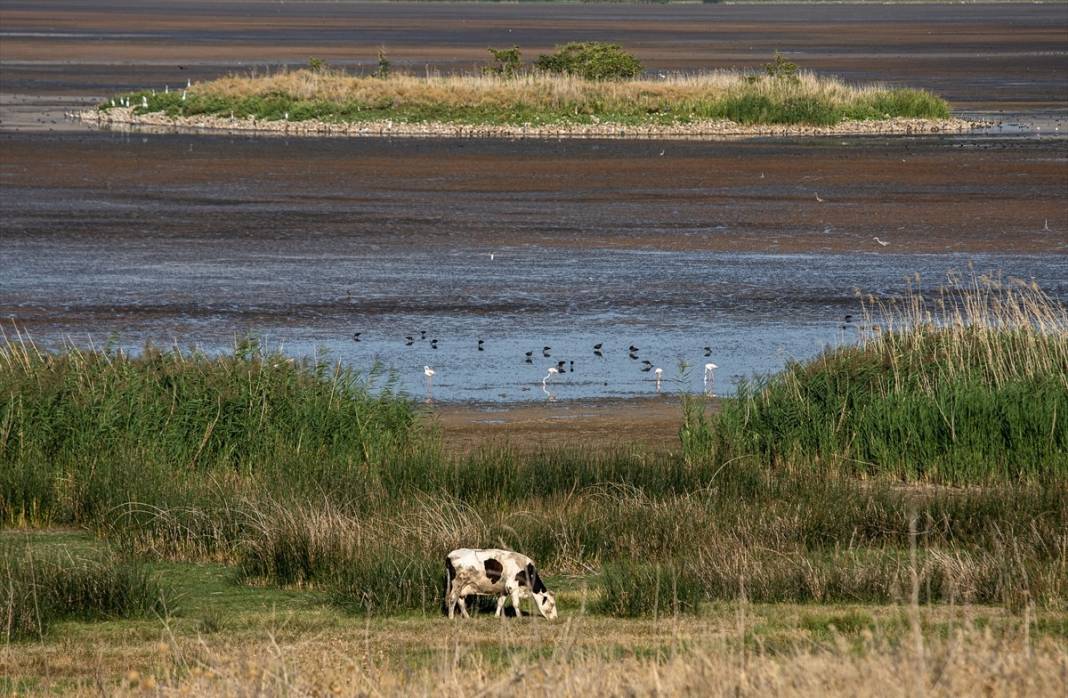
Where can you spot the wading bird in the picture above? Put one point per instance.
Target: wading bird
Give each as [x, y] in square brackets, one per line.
[818, 198]
[708, 351]
[480, 343]
[433, 344]
[356, 336]
[429, 373]
[548, 374]
[659, 374]
[598, 346]
[881, 242]
[710, 379]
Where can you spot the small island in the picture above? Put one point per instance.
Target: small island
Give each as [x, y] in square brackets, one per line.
[584, 90]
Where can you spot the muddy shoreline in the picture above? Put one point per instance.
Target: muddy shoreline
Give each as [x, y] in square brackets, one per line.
[126, 117]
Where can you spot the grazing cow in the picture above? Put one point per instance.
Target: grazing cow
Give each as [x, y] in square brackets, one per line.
[494, 572]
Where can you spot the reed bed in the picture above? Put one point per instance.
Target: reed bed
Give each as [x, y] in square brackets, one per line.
[84, 430]
[538, 99]
[970, 386]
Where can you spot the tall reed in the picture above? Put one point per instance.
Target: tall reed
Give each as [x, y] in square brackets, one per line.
[968, 387]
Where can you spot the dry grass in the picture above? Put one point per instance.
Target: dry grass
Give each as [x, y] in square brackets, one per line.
[538, 99]
[578, 657]
[547, 91]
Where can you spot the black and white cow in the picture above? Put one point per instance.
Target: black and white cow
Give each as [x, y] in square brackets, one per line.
[494, 572]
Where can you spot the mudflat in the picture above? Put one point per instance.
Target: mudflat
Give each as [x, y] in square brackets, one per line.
[982, 57]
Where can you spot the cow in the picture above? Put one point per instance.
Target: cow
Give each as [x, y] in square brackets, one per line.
[492, 571]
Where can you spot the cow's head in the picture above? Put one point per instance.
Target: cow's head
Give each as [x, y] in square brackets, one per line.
[546, 601]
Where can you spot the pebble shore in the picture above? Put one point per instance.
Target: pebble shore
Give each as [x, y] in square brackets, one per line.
[125, 117]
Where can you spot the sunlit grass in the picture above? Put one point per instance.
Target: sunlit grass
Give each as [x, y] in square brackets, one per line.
[538, 99]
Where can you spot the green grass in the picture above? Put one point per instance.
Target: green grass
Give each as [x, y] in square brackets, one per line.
[539, 100]
[973, 391]
[84, 431]
[41, 585]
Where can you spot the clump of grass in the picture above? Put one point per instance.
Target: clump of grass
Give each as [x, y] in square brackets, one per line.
[967, 387]
[37, 590]
[638, 589]
[84, 430]
[541, 99]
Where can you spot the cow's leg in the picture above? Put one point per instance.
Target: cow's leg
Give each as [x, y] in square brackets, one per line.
[500, 604]
[515, 602]
[463, 608]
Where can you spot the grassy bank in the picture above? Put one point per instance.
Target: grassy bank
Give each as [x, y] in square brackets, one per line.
[539, 100]
[223, 500]
[968, 387]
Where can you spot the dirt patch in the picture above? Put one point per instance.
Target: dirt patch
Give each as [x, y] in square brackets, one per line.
[648, 423]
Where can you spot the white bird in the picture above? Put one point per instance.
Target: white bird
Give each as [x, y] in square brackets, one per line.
[144, 102]
[491, 256]
[881, 242]
[552, 372]
[818, 198]
[1045, 226]
[429, 373]
[710, 378]
[659, 374]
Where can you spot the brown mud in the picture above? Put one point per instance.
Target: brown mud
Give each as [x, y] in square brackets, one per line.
[602, 425]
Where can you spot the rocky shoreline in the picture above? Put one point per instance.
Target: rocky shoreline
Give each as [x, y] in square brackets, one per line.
[125, 117]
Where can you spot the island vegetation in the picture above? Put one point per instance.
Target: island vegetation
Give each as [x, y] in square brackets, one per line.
[587, 84]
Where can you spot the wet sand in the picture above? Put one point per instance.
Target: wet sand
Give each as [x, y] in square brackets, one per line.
[984, 58]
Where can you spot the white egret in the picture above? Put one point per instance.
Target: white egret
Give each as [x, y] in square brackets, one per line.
[710, 378]
[545, 383]
[144, 102]
[884, 243]
[659, 374]
[818, 198]
[429, 373]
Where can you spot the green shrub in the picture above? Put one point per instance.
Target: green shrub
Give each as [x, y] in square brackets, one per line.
[591, 60]
[507, 62]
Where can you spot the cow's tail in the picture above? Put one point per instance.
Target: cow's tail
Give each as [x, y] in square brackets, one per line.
[450, 575]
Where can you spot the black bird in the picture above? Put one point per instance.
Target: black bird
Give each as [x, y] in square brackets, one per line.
[849, 318]
[560, 367]
[597, 346]
[708, 351]
[530, 354]
[422, 334]
[571, 366]
[598, 353]
[480, 343]
[528, 360]
[632, 349]
[633, 356]
[433, 344]
[647, 368]
[647, 362]
[356, 336]
[409, 341]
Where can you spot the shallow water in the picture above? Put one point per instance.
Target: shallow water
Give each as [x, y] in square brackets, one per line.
[753, 310]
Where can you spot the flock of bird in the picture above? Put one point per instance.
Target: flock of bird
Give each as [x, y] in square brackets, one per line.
[562, 365]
